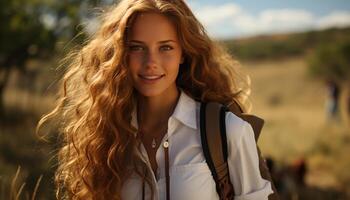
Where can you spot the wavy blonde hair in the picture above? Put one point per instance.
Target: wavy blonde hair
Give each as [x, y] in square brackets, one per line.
[97, 98]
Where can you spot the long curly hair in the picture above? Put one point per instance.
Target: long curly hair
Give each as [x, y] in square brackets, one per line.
[99, 145]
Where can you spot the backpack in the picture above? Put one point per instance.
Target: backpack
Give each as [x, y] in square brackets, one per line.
[213, 135]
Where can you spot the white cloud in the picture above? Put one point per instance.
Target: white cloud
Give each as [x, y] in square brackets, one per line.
[227, 20]
[335, 19]
[210, 15]
[284, 19]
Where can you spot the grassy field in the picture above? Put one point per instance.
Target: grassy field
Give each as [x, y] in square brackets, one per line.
[290, 101]
[293, 105]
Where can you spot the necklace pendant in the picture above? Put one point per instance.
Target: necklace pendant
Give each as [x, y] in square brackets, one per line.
[154, 144]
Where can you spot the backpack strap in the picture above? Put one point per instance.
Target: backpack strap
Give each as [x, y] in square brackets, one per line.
[215, 156]
[256, 122]
[212, 124]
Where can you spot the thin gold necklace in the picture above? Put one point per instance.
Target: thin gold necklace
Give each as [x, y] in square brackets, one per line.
[155, 139]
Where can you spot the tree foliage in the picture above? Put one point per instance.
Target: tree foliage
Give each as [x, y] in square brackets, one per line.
[283, 45]
[31, 28]
[332, 61]
[22, 32]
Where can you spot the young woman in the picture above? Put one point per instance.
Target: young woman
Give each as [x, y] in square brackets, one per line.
[130, 106]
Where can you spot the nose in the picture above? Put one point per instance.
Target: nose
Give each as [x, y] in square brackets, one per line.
[151, 60]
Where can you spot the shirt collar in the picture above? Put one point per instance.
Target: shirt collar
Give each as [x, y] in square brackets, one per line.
[185, 112]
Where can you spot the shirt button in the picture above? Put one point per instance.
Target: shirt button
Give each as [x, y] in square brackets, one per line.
[166, 144]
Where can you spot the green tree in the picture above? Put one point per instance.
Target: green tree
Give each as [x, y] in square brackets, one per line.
[31, 28]
[22, 35]
[332, 62]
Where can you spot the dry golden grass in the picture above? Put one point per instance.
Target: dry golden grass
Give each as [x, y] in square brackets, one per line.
[14, 190]
[291, 103]
[293, 106]
[23, 99]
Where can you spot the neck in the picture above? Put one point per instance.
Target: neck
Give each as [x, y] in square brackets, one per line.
[155, 111]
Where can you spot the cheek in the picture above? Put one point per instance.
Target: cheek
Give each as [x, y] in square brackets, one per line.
[172, 61]
[134, 62]
[173, 65]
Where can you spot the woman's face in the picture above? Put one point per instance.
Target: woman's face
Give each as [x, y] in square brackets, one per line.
[154, 54]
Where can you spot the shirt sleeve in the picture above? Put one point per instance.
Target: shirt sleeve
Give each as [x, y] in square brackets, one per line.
[243, 161]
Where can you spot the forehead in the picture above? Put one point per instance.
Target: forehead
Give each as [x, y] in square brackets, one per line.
[153, 27]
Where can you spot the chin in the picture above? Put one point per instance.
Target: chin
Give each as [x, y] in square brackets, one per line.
[159, 90]
[150, 92]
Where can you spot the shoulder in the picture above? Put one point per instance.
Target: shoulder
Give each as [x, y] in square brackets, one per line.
[235, 126]
[237, 130]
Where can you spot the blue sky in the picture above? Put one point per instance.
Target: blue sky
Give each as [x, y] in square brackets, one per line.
[243, 18]
[320, 7]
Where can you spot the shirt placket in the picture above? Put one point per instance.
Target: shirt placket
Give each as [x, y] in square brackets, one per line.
[159, 156]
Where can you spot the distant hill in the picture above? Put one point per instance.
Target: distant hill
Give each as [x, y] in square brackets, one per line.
[283, 45]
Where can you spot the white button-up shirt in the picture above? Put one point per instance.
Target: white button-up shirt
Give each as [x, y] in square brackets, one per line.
[190, 176]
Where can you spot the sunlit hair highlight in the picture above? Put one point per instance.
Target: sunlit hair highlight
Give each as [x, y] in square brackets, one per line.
[100, 147]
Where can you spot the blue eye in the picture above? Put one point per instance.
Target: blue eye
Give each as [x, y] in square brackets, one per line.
[166, 48]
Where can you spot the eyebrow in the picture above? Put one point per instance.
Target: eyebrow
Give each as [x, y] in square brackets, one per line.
[161, 42]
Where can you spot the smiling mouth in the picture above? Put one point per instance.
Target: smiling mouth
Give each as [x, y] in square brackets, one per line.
[153, 77]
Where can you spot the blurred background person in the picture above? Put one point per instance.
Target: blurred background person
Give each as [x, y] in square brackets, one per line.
[332, 100]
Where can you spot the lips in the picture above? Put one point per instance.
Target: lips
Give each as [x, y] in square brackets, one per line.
[151, 77]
